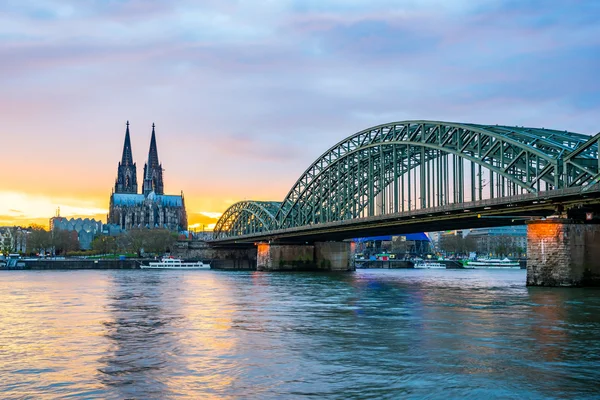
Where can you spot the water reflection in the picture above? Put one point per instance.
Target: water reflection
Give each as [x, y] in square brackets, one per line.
[370, 334]
[566, 328]
[142, 335]
[211, 365]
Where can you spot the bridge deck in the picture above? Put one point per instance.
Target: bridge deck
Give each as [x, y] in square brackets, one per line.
[512, 210]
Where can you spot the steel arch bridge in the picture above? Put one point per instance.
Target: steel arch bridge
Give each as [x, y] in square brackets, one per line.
[420, 165]
[247, 217]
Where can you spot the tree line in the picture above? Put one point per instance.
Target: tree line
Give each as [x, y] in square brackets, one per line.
[138, 241]
[134, 241]
[501, 245]
[39, 240]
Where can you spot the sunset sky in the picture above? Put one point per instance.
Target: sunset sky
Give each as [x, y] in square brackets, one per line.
[246, 94]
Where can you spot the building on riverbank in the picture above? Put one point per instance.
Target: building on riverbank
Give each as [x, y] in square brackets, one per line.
[151, 208]
[86, 229]
[500, 241]
[13, 239]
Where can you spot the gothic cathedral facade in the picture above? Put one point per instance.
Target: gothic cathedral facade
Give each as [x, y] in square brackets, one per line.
[152, 208]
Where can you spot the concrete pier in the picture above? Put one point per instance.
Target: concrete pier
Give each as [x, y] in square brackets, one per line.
[563, 252]
[282, 257]
[219, 258]
[333, 256]
[322, 256]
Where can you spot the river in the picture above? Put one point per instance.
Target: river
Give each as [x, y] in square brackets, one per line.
[371, 334]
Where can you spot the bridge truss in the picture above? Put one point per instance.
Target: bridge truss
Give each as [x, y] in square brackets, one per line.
[418, 165]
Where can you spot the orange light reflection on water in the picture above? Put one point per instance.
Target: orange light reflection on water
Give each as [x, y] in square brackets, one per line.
[44, 324]
[208, 312]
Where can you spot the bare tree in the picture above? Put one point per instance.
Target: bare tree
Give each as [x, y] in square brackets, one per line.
[39, 239]
[156, 241]
[64, 241]
[104, 244]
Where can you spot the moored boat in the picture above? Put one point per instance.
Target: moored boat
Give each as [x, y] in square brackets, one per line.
[492, 263]
[175, 263]
[429, 265]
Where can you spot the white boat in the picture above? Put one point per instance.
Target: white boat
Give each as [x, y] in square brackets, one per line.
[492, 263]
[175, 263]
[429, 265]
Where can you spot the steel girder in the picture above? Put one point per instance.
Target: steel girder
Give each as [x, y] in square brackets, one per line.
[247, 217]
[420, 164]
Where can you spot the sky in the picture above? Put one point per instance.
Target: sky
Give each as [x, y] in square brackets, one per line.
[246, 94]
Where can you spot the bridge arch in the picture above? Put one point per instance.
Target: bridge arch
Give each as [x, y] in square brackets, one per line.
[403, 166]
[246, 217]
[369, 173]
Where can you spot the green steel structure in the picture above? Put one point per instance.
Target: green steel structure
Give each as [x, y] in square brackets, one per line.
[247, 217]
[418, 165]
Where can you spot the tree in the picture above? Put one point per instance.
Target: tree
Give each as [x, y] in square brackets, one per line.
[6, 249]
[458, 244]
[137, 239]
[504, 245]
[64, 241]
[151, 241]
[104, 244]
[450, 243]
[470, 244]
[160, 241]
[399, 244]
[123, 243]
[39, 239]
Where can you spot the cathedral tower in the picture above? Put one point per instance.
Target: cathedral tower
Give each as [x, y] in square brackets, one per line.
[150, 210]
[153, 178]
[126, 181]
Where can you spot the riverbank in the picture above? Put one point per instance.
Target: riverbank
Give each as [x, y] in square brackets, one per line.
[399, 264]
[77, 263]
[80, 263]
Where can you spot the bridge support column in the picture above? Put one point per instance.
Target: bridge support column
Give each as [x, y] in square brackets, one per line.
[322, 256]
[282, 257]
[334, 256]
[562, 252]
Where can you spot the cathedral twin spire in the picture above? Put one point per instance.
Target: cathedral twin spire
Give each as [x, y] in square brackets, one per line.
[153, 180]
[126, 181]
[126, 173]
[127, 158]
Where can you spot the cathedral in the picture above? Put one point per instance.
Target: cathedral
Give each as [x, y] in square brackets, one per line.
[152, 208]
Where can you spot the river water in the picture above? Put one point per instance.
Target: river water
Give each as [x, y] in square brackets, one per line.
[372, 334]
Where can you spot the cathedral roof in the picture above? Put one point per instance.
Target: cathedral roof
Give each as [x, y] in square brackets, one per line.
[127, 199]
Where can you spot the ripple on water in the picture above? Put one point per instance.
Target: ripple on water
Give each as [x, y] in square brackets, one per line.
[370, 334]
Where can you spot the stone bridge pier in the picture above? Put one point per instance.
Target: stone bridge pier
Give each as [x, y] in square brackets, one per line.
[563, 252]
[320, 256]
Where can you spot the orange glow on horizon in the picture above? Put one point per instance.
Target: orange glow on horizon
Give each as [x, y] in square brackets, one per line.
[25, 209]
[80, 183]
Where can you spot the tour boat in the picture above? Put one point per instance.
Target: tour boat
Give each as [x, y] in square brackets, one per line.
[175, 263]
[492, 263]
[429, 265]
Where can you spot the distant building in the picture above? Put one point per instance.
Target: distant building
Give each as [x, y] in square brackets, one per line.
[504, 240]
[86, 229]
[20, 239]
[435, 238]
[6, 239]
[13, 239]
[150, 209]
[412, 243]
[112, 230]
